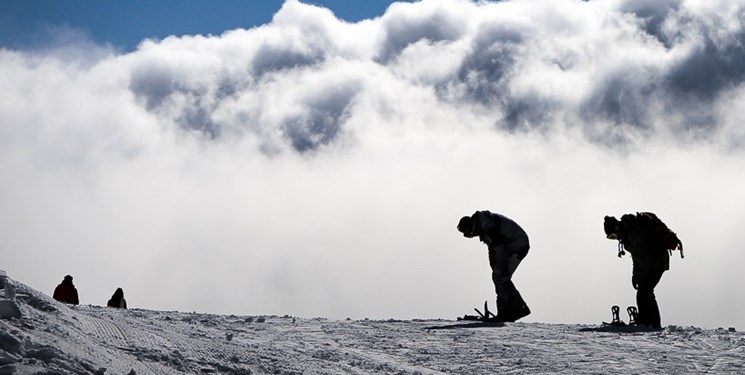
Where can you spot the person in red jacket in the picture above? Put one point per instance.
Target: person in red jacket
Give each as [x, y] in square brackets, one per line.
[66, 291]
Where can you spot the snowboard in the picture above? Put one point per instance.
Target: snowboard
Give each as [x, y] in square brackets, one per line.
[486, 316]
[482, 320]
[468, 324]
[605, 327]
[617, 325]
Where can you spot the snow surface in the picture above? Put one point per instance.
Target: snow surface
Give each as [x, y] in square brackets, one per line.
[55, 338]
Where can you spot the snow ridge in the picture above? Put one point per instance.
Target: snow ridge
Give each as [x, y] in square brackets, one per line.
[55, 338]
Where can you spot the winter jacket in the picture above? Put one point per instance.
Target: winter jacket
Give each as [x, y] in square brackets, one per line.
[121, 303]
[66, 292]
[497, 230]
[647, 254]
[117, 300]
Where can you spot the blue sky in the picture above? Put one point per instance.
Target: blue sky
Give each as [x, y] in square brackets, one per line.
[123, 24]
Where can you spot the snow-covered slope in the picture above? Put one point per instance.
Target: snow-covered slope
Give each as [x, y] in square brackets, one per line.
[54, 338]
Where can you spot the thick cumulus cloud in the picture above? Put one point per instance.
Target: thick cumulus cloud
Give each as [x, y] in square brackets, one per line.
[312, 166]
[612, 69]
[631, 66]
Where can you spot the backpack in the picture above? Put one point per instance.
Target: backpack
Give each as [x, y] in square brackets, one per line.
[659, 233]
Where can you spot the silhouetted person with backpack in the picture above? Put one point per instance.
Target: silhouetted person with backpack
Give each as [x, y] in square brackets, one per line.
[66, 291]
[117, 300]
[508, 244]
[649, 242]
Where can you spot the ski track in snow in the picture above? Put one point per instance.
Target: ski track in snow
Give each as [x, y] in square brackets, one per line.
[54, 338]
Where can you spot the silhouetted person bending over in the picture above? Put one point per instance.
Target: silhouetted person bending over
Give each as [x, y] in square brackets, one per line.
[649, 242]
[508, 244]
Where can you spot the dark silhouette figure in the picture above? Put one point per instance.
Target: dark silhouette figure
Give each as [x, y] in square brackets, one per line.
[650, 259]
[66, 291]
[508, 244]
[117, 300]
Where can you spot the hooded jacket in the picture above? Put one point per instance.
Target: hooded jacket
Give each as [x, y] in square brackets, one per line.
[117, 300]
[66, 292]
[646, 253]
[497, 230]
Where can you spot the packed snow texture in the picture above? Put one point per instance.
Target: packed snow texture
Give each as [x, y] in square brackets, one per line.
[55, 338]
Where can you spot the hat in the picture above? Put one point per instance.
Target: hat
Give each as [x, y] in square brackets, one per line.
[465, 225]
[610, 225]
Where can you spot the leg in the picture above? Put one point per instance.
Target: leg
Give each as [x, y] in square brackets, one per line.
[509, 301]
[649, 311]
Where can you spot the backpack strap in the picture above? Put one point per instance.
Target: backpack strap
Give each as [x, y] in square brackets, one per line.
[621, 251]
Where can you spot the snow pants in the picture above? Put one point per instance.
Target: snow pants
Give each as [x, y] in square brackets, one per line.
[649, 312]
[504, 263]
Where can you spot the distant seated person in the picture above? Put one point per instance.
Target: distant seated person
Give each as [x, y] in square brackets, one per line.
[66, 292]
[117, 300]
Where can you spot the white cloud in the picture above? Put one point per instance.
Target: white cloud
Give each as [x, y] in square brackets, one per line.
[319, 167]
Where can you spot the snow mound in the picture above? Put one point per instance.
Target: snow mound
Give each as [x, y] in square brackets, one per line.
[9, 309]
[54, 338]
[8, 306]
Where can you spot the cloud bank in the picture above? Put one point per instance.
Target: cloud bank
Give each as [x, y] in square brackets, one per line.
[311, 166]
